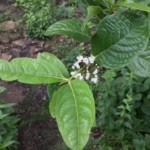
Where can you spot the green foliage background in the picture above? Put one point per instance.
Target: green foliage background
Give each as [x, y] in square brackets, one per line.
[38, 15]
[8, 126]
[123, 114]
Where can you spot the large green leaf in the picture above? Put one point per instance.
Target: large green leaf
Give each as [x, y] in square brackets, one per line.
[51, 91]
[55, 61]
[6, 105]
[119, 38]
[146, 108]
[141, 64]
[147, 2]
[92, 11]
[73, 106]
[32, 71]
[133, 5]
[6, 144]
[70, 27]
[2, 89]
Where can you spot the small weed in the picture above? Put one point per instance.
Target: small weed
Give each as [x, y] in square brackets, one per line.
[38, 15]
[8, 126]
[122, 101]
[4, 16]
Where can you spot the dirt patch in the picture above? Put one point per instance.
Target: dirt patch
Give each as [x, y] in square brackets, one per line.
[41, 135]
[38, 131]
[14, 92]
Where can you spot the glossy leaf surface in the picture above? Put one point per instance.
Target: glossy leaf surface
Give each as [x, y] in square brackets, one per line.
[133, 5]
[119, 38]
[146, 108]
[141, 64]
[55, 61]
[32, 71]
[70, 27]
[73, 106]
[92, 11]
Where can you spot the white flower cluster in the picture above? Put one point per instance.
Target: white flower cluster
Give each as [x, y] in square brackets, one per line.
[89, 68]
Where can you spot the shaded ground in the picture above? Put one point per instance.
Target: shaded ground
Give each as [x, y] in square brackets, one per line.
[37, 131]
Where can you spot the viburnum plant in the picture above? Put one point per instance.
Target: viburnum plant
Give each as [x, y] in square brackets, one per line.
[121, 39]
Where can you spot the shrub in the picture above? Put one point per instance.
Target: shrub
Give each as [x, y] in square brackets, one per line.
[122, 102]
[8, 126]
[38, 15]
[64, 11]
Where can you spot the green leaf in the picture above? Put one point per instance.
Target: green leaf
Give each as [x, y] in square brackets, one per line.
[104, 3]
[32, 71]
[51, 91]
[6, 144]
[3, 116]
[92, 11]
[73, 106]
[143, 1]
[2, 89]
[52, 105]
[146, 108]
[141, 64]
[70, 27]
[91, 2]
[134, 5]
[147, 140]
[6, 105]
[55, 61]
[51, 88]
[120, 38]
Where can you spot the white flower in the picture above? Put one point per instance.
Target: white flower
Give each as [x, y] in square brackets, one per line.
[85, 71]
[73, 67]
[76, 64]
[91, 59]
[87, 75]
[95, 71]
[95, 76]
[94, 80]
[73, 72]
[85, 60]
[81, 77]
[80, 58]
[78, 75]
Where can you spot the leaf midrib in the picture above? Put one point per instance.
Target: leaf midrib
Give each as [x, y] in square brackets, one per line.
[40, 75]
[77, 115]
